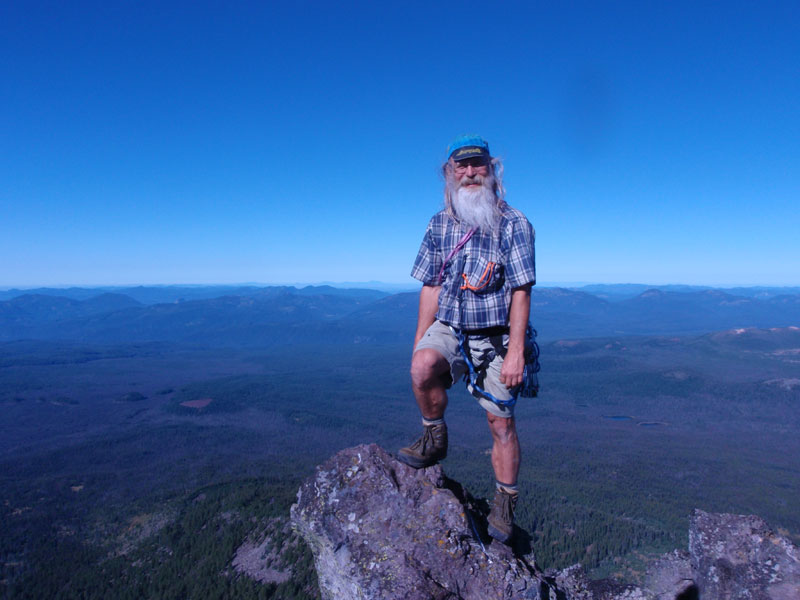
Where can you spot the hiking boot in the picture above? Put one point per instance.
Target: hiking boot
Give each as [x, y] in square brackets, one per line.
[501, 517]
[427, 450]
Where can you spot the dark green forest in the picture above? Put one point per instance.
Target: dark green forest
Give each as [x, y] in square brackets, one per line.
[189, 557]
[137, 471]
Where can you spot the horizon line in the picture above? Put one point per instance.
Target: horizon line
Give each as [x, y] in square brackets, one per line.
[388, 284]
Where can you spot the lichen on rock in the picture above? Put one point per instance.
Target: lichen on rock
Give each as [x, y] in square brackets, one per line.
[380, 530]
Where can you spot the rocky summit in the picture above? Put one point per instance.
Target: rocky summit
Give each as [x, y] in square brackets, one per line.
[380, 530]
[740, 558]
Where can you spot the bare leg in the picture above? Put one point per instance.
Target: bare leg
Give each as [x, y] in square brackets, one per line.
[505, 450]
[427, 369]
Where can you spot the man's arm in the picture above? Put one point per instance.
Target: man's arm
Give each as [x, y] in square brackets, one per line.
[518, 314]
[428, 305]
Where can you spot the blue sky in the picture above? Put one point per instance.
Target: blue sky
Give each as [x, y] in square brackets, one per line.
[159, 142]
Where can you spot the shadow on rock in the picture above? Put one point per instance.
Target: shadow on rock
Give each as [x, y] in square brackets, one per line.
[382, 530]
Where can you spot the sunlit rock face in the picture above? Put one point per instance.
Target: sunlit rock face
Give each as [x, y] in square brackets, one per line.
[739, 557]
[380, 530]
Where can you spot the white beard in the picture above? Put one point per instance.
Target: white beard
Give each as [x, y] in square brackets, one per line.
[477, 208]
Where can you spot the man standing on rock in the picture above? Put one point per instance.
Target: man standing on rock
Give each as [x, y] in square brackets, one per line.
[476, 264]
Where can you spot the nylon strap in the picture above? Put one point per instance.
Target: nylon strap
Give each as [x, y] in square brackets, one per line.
[455, 250]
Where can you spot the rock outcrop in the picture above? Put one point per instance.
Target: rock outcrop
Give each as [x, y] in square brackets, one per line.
[740, 558]
[380, 529]
[384, 531]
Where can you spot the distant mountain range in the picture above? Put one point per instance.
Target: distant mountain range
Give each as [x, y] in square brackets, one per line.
[620, 291]
[256, 316]
[161, 294]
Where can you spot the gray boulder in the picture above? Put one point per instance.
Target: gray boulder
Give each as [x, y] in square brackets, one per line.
[380, 530]
[671, 576]
[737, 557]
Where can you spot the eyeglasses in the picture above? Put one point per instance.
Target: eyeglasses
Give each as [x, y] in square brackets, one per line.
[477, 163]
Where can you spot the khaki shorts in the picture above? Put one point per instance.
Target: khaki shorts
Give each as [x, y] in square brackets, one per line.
[487, 356]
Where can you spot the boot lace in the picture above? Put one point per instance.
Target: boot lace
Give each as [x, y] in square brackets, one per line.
[425, 441]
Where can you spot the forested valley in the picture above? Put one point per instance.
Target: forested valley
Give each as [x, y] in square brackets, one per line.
[162, 468]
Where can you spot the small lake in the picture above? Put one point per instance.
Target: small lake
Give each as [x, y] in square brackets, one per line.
[629, 418]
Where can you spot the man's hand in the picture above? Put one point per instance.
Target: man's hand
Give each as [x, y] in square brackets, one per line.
[518, 313]
[512, 369]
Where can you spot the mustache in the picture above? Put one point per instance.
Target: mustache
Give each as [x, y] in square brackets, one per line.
[466, 180]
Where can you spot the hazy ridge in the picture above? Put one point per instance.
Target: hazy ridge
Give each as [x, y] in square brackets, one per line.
[250, 316]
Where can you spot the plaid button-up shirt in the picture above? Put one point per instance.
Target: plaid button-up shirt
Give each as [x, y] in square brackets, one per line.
[478, 281]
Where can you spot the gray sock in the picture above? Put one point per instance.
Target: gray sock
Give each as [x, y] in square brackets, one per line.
[508, 488]
[429, 422]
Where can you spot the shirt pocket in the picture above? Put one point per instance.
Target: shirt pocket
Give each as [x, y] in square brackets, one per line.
[483, 276]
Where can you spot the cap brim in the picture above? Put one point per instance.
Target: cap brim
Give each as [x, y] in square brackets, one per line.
[468, 152]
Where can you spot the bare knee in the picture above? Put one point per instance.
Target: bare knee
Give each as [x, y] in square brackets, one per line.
[427, 367]
[503, 429]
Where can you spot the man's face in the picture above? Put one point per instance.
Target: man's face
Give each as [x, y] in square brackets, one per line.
[469, 173]
[470, 192]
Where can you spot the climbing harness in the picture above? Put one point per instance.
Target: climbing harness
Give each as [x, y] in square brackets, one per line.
[530, 376]
[529, 388]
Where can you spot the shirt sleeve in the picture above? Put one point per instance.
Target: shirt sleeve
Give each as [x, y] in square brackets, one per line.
[521, 265]
[429, 260]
